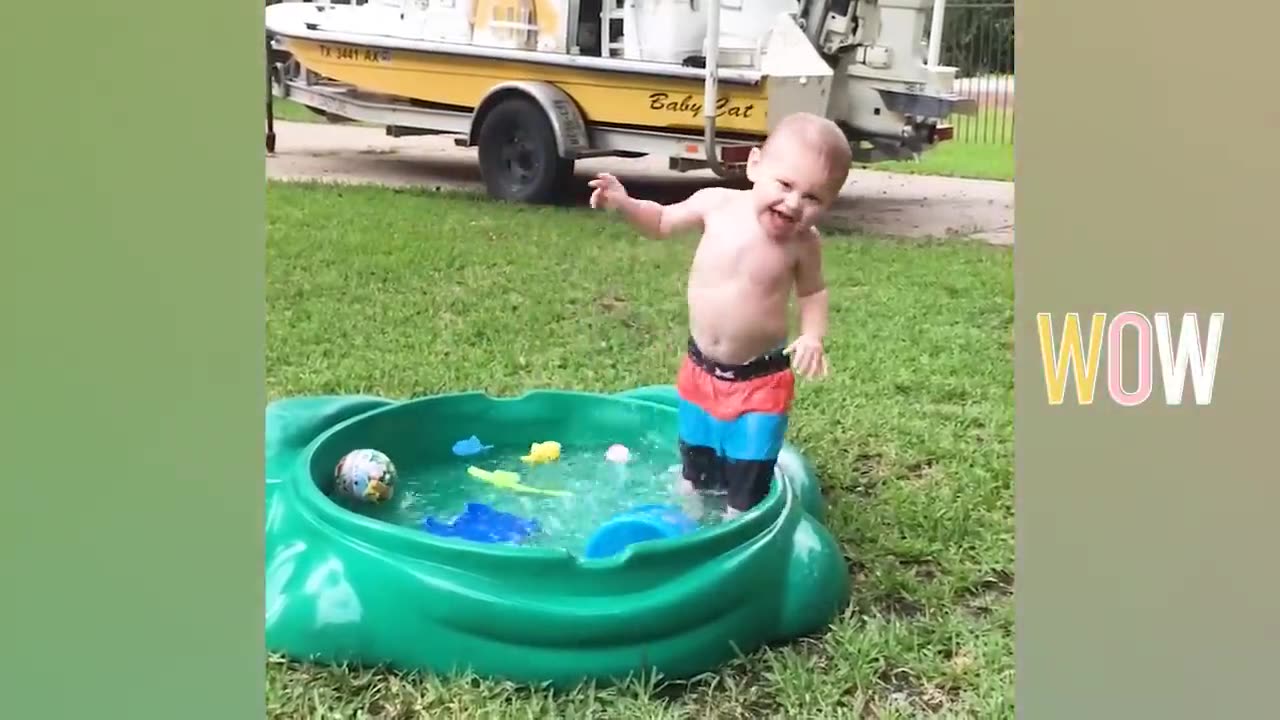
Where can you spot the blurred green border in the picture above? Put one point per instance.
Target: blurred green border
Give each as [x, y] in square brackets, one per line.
[133, 225]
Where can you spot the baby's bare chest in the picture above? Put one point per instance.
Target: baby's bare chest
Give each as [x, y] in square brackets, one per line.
[724, 256]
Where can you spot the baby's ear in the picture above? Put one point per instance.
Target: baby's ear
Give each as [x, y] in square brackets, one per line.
[753, 162]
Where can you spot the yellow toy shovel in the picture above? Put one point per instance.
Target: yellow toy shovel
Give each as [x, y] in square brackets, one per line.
[510, 481]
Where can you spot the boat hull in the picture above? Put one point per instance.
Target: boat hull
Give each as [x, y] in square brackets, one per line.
[604, 96]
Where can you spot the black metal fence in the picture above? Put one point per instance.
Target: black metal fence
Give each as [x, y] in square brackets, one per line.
[977, 38]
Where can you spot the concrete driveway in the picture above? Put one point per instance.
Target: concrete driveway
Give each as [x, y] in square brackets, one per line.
[871, 202]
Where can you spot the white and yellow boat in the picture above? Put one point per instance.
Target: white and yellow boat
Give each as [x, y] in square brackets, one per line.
[614, 77]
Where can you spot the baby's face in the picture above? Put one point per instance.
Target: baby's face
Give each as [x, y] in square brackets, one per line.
[792, 188]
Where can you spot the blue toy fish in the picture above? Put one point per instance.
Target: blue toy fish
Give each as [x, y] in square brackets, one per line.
[470, 446]
[481, 523]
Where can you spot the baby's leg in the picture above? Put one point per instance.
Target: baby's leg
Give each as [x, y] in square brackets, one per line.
[697, 473]
[749, 484]
[701, 434]
[753, 449]
[699, 466]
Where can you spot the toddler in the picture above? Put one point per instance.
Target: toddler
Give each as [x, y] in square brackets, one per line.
[758, 246]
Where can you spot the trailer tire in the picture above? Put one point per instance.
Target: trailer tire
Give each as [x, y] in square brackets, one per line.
[519, 159]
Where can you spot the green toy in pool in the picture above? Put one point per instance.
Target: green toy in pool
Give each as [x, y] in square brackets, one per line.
[346, 587]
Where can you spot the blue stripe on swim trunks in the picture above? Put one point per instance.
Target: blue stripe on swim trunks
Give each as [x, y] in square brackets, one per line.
[752, 436]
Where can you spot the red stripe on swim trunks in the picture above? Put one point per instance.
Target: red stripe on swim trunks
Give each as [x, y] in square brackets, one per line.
[729, 399]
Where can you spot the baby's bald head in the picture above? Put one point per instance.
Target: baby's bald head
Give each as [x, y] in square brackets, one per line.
[796, 175]
[816, 137]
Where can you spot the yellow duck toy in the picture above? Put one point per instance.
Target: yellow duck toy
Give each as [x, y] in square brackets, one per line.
[543, 452]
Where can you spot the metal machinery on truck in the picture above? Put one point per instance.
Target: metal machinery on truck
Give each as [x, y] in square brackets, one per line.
[539, 84]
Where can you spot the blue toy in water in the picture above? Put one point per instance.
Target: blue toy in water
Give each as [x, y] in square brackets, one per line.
[481, 523]
[470, 446]
[645, 522]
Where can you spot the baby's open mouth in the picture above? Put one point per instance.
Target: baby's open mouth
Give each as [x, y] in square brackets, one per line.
[781, 215]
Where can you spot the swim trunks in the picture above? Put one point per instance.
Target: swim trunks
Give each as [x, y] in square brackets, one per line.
[731, 422]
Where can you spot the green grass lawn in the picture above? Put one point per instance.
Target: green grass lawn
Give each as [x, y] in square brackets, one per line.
[291, 111]
[983, 161]
[405, 293]
[982, 148]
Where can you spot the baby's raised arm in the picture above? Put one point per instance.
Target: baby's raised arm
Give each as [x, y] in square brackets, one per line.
[651, 218]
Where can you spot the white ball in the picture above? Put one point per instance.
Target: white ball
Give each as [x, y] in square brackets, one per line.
[617, 454]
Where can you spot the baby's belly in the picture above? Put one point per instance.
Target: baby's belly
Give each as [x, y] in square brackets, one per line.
[734, 327]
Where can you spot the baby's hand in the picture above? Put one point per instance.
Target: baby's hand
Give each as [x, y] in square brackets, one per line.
[607, 193]
[807, 357]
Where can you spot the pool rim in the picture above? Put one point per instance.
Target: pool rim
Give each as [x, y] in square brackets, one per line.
[410, 542]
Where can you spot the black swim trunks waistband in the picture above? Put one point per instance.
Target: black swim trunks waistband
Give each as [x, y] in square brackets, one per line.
[767, 364]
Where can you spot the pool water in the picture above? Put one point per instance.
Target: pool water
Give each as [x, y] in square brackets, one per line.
[599, 490]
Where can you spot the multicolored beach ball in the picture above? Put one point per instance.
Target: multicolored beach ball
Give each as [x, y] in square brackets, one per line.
[367, 475]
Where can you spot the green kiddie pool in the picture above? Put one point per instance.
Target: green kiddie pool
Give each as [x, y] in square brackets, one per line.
[348, 582]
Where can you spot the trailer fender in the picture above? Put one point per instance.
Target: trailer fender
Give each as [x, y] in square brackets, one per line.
[566, 119]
